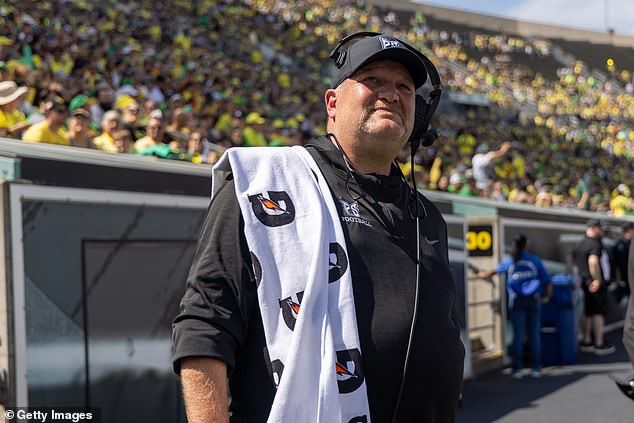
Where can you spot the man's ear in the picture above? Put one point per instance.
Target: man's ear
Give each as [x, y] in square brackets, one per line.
[330, 99]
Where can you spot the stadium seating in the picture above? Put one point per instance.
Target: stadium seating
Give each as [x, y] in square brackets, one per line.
[252, 71]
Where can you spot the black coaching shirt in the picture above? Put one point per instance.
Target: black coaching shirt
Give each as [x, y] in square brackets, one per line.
[220, 315]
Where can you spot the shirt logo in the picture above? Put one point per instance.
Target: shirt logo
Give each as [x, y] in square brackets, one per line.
[430, 242]
[351, 213]
[390, 43]
[350, 209]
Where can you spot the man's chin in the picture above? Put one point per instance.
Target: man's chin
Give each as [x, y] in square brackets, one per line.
[388, 130]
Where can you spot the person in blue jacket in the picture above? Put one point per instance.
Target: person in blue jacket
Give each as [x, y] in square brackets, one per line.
[525, 276]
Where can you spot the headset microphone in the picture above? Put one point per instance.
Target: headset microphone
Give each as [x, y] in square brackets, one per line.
[428, 139]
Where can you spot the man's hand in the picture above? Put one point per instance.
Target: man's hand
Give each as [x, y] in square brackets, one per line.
[18, 127]
[486, 274]
[594, 265]
[594, 286]
[205, 390]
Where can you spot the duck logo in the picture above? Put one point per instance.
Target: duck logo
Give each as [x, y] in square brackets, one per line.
[257, 269]
[337, 262]
[276, 210]
[290, 309]
[349, 370]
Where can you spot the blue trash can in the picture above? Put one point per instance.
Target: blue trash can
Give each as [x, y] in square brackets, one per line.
[559, 331]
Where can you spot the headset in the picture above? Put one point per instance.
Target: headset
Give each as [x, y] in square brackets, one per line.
[421, 135]
[425, 109]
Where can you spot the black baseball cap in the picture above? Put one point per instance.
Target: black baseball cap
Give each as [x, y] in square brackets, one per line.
[597, 223]
[520, 240]
[381, 47]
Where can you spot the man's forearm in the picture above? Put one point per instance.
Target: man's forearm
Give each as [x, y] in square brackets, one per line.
[205, 390]
[594, 266]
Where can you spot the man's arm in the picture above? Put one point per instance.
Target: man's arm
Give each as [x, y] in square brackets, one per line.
[496, 154]
[485, 274]
[219, 300]
[204, 383]
[594, 265]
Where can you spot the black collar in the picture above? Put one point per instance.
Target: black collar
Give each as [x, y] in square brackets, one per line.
[381, 187]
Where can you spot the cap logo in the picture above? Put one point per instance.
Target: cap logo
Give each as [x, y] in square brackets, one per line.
[390, 43]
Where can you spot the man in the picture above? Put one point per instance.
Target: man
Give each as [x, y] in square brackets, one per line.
[196, 147]
[253, 132]
[12, 120]
[181, 122]
[109, 125]
[79, 129]
[592, 260]
[153, 137]
[51, 129]
[627, 385]
[130, 120]
[525, 276]
[222, 332]
[482, 164]
[105, 102]
[620, 258]
[621, 203]
[122, 141]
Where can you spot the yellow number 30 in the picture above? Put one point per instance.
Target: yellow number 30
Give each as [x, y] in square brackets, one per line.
[478, 241]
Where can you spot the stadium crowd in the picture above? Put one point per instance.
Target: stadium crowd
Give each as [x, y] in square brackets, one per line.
[186, 79]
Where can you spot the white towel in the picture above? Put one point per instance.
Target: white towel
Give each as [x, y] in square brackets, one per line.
[304, 285]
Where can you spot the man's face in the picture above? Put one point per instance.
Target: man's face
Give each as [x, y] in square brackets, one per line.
[195, 143]
[104, 96]
[596, 232]
[78, 125]
[154, 128]
[58, 115]
[110, 125]
[377, 103]
[132, 113]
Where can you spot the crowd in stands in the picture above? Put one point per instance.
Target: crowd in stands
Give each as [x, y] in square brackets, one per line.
[185, 80]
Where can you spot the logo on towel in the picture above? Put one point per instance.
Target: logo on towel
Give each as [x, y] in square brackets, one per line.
[277, 368]
[349, 370]
[290, 309]
[257, 269]
[359, 419]
[337, 261]
[351, 213]
[275, 210]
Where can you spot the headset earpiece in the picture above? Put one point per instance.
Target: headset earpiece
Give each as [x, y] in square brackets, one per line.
[419, 118]
[339, 56]
[425, 109]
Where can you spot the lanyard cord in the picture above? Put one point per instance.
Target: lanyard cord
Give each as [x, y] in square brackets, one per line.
[412, 329]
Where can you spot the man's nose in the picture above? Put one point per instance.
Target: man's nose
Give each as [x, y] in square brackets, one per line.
[388, 92]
